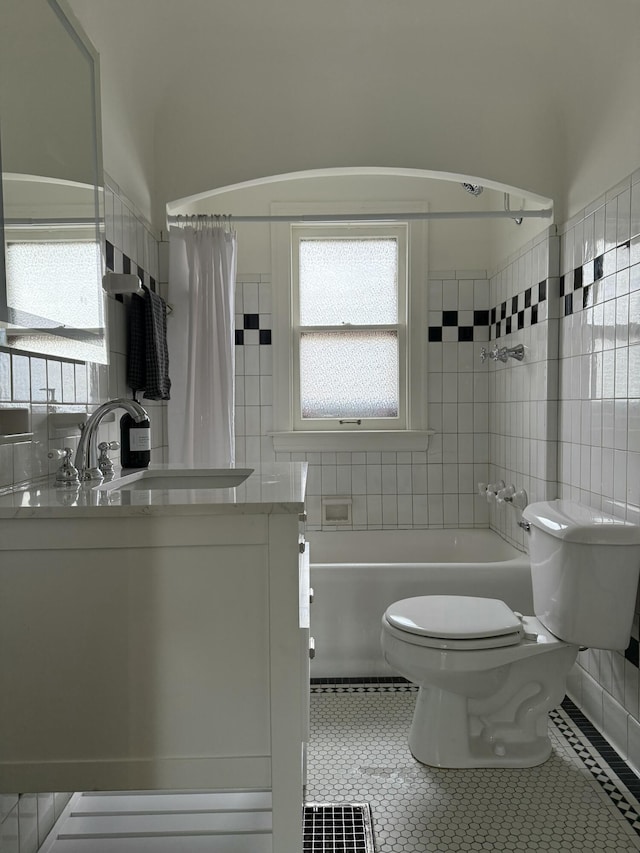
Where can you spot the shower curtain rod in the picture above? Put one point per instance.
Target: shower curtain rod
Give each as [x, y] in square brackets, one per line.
[544, 213]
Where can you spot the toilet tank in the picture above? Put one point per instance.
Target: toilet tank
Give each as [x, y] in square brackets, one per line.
[584, 572]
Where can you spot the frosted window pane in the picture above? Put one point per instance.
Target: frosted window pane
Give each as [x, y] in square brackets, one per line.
[349, 374]
[57, 281]
[348, 281]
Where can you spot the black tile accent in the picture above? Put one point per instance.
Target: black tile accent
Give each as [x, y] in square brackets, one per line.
[503, 310]
[577, 278]
[373, 679]
[520, 319]
[126, 264]
[239, 337]
[465, 333]
[568, 304]
[435, 334]
[632, 654]
[527, 298]
[534, 315]
[109, 255]
[542, 291]
[622, 770]
[514, 304]
[507, 326]
[265, 336]
[499, 329]
[598, 268]
[449, 318]
[481, 318]
[251, 321]
[561, 285]
[493, 316]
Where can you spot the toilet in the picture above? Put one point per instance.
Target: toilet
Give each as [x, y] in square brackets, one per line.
[488, 676]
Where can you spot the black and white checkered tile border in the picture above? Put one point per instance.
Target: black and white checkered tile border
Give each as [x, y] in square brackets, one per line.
[518, 312]
[617, 779]
[362, 685]
[458, 326]
[117, 261]
[603, 762]
[252, 322]
[578, 288]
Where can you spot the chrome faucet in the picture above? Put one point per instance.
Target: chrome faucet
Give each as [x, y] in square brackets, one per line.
[502, 353]
[86, 460]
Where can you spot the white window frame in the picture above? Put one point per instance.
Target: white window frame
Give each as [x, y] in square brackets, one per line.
[329, 231]
[291, 436]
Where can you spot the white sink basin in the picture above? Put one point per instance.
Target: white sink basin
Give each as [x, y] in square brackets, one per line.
[180, 478]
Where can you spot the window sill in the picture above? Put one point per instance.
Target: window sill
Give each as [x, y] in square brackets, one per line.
[351, 440]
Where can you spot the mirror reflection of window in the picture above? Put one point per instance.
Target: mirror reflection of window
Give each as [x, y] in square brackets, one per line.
[51, 299]
[36, 270]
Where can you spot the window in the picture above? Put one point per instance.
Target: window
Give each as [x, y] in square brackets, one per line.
[349, 321]
[349, 331]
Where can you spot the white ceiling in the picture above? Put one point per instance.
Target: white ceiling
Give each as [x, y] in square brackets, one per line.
[204, 93]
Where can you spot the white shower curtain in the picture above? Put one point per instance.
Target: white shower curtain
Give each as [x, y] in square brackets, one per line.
[202, 273]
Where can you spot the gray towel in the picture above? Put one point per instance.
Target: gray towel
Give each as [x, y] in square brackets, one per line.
[148, 354]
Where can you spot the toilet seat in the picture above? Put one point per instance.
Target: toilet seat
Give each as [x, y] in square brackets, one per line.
[455, 622]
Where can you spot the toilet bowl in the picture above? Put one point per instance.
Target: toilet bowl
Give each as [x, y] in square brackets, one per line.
[483, 700]
[489, 676]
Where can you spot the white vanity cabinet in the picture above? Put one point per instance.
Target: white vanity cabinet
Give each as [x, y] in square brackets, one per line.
[155, 651]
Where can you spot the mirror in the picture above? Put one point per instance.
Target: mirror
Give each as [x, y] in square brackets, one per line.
[51, 298]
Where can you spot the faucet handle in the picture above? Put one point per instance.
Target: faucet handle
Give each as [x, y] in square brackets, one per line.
[67, 474]
[506, 494]
[493, 489]
[104, 463]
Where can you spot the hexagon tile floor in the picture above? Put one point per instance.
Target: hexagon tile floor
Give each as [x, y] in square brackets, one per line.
[572, 803]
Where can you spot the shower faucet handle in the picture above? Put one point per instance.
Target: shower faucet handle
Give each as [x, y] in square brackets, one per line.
[506, 494]
[518, 499]
[493, 489]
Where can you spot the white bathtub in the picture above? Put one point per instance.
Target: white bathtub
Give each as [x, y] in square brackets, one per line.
[356, 574]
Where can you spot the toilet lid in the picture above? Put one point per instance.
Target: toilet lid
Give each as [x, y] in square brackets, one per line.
[456, 617]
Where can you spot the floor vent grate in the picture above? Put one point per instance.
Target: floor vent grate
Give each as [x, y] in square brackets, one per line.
[338, 828]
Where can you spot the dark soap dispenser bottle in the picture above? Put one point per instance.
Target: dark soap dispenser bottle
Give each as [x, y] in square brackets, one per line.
[135, 442]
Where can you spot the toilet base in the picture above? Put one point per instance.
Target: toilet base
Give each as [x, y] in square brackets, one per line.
[450, 730]
[482, 756]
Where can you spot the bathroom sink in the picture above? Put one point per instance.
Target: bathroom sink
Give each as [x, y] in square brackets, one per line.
[179, 478]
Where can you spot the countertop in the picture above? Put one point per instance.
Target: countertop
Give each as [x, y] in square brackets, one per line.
[274, 488]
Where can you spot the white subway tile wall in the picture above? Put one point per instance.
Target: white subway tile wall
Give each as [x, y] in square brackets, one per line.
[599, 417]
[46, 385]
[523, 395]
[434, 488]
